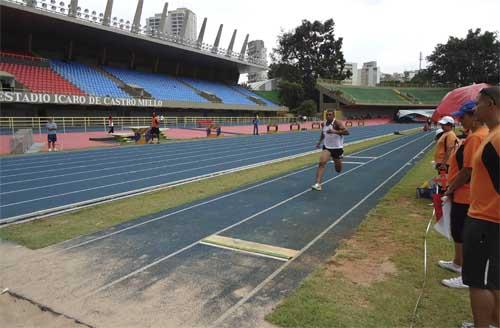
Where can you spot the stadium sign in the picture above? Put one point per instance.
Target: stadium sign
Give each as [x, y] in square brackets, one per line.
[46, 98]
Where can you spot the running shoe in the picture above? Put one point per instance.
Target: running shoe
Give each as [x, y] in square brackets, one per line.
[316, 186]
[454, 282]
[449, 265]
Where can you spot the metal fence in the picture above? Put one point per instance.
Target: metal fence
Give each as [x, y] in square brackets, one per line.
[9, 125]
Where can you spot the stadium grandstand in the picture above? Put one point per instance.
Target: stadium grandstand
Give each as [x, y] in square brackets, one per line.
[100, 65]
[376, 102]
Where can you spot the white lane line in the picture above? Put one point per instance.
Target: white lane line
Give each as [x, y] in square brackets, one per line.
[244, 252]
[143, 179]
[349, 162]
[241, 222]
[158, 154]
[165, 151]
[228, 312]
[133, 149]
[361, 157]
[248, 154]
[208, 202]
[183, 210]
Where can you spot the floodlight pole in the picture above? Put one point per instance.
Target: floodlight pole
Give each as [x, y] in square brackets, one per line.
[107, 13]
[73, 6]
[217, 39]
[202, 33]
[163, 20]
[231, 44]
[137, 17]
[244, 48]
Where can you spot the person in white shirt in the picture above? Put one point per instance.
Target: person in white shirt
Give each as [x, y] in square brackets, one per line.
[332, 137]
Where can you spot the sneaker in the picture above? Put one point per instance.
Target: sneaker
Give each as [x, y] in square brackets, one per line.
[50, 149]
[454, 282]
[467, 324]
[316, 186]
[449, 265]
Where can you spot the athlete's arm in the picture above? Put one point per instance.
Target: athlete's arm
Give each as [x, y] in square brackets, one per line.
[340, 129]
[321, 137]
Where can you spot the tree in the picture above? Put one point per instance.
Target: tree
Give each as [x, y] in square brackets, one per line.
[291, 94]
[307, 53]
[306, 108]
[474, 59]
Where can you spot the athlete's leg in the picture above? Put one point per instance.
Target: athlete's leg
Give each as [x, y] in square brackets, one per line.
[338, 164]
[325, 156]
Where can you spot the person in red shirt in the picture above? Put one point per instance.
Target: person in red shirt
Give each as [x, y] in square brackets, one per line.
[460, 169]
[155, 128]
[481, 247]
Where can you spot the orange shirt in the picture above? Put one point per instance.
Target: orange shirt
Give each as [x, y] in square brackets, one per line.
[485, 180]
[447, 141]
[463, 157]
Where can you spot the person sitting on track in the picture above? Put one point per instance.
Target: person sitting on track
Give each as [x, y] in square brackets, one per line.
[332, 136]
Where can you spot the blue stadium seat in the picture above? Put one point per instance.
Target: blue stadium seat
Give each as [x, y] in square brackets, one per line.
[88, 79]
[251, 94]
[222, 91]
[159, 86]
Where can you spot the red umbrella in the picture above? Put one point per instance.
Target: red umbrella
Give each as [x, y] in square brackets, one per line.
[456, 98]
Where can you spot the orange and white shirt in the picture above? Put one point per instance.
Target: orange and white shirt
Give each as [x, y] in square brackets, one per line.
[485, 180]
[463, 157]
[447, 141]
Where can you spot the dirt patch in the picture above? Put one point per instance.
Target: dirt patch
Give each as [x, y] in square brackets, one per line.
[363, 269]
[16, 312]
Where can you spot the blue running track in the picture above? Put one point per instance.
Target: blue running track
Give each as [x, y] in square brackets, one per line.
[40, 183]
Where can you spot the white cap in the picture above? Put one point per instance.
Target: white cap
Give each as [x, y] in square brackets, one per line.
[446, 120]
[438, 131]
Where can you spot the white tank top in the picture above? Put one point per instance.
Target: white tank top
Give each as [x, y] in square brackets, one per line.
[332, 140]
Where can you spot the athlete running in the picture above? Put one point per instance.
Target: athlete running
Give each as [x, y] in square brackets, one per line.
[332, 136]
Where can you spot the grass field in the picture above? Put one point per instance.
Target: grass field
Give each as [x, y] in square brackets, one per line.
[42, 233]
[376, 276]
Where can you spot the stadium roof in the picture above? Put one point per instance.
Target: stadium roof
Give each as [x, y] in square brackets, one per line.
[56, 22]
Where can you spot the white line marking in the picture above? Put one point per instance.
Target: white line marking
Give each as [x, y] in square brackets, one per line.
[309, 245]
[211, 201]
[237, 250]
[139, 157]
[109, 198]
[241, 222]
[157, 167]
[361, 157]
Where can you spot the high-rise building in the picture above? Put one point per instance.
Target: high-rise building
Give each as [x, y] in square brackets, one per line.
[369, 74]
[176, 20]
[354, 79]
[257, 49]
[153, 24]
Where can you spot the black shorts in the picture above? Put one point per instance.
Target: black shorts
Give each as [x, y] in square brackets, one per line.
[457, 217]
[155, 131]
[335, 153]
[52, 137]
[481, 254]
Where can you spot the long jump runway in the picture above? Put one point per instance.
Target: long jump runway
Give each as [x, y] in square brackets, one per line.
[33, 185]
[187, 267]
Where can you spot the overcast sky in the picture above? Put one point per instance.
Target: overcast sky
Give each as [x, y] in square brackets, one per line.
[392, 32]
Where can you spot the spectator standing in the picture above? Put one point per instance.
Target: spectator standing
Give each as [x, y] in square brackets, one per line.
[155, 128]
[111, 125]
[256, 123]
[481, 246]
[458, 191]
[51, 134]
[446, 144]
